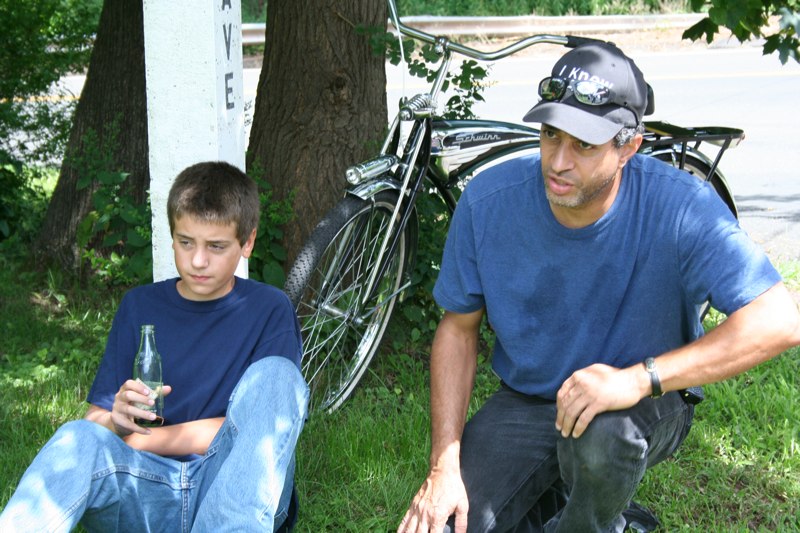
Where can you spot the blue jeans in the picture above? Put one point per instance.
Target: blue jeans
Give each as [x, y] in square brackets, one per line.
[522, 476]
[244, 482]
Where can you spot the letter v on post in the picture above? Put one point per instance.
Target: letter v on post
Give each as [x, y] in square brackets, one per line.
[227, 33]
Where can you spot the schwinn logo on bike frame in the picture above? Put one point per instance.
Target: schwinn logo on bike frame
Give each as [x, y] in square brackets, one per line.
[577, 73]
[471, 139]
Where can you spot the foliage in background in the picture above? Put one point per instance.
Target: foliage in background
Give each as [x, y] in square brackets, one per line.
[477, 8]
[23, 199]
[254, 10]
[422, 60]
[269, 255]
[115, 237]
[42, 41]
[748, 20]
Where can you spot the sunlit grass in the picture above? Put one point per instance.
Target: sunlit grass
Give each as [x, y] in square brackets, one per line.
[358, 468]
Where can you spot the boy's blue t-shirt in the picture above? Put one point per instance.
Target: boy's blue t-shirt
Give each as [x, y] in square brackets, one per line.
[625, 288]
[205, 347]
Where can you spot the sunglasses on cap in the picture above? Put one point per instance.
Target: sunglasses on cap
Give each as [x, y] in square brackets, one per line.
[586, 92]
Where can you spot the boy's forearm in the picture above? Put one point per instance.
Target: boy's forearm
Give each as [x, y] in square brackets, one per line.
[179, 439]
[100, 416]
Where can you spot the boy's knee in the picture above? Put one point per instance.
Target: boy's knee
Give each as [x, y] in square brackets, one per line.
[269, 380]
[80, 439]
[84, 431]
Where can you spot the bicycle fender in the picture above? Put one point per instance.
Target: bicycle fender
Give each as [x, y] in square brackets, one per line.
[372, 187]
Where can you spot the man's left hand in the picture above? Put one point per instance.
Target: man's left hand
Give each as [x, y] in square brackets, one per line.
[594, 390]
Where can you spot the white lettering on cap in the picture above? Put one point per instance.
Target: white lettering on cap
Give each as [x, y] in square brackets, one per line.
[577, 73]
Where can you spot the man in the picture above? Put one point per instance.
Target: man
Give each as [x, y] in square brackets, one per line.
[591, 264]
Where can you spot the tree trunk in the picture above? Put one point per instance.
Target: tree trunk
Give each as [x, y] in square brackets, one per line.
[109, 130]
[321, 104]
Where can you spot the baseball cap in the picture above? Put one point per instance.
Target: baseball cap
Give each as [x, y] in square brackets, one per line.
[605, 64]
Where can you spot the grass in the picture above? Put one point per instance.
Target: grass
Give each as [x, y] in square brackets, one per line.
[739, 469]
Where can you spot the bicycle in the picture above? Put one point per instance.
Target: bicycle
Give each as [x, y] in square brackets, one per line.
[356, 264]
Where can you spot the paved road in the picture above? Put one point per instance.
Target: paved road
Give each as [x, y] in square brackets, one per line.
[736, 87]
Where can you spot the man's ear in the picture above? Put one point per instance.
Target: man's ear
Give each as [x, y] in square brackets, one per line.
[247, 248]
[629, 149]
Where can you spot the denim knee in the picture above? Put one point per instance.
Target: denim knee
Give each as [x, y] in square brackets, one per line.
[84, 434]
[611, 447]
[272, 381]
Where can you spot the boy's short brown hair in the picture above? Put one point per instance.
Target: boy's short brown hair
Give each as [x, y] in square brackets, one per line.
[216, 192]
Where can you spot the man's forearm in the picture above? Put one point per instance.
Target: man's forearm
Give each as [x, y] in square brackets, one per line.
[764, 328]
[453, 365]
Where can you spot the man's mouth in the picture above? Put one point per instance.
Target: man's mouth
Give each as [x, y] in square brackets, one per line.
[559, 186]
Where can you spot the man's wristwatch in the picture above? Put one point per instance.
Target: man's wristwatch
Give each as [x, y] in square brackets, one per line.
[655, 383]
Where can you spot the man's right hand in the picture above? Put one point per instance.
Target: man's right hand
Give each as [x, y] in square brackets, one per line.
[454, 357]
[441, 495]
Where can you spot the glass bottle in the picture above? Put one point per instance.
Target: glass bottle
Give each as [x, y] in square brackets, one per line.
[147, 370]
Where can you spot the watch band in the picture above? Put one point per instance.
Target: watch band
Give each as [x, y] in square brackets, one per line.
[655, 383]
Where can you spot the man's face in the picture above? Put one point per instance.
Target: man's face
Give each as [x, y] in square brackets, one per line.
[206, 256]
[581, 180]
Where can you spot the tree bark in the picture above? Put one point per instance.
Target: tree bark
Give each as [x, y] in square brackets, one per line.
[321, 104]
[109, 130]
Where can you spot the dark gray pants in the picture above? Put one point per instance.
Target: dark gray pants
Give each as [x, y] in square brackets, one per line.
[519, 472]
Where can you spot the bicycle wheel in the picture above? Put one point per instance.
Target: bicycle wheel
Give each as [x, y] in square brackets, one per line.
[328, 284]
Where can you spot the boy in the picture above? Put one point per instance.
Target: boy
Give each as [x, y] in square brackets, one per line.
[235, 401]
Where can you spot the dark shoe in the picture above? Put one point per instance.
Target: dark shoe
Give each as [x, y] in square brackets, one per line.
[639, 519]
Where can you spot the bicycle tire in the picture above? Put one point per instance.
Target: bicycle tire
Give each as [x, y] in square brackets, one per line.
[325, 284]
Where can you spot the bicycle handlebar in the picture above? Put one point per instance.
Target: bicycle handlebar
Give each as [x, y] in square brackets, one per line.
[570, 41]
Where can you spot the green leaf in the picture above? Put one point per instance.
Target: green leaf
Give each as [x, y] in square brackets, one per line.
[413, 313]
[112, 178]
[277, 251]
[133, 238]
[84, 180]
[273, 274]
[704, 27]
[790, 20]
[130, 215]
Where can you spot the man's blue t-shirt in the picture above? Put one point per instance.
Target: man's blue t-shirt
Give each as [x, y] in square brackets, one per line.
[205, 346]
[625, 288]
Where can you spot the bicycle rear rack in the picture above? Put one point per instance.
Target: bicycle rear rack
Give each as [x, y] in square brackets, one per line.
[659, 134]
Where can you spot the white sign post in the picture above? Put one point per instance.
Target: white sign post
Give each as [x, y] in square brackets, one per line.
[195, 102]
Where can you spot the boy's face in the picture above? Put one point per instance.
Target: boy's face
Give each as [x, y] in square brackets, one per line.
[206, 256]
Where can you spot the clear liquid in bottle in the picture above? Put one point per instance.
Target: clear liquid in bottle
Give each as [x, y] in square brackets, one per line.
[147, 370]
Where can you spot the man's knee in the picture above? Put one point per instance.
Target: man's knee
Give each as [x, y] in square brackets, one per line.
[610, 446]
